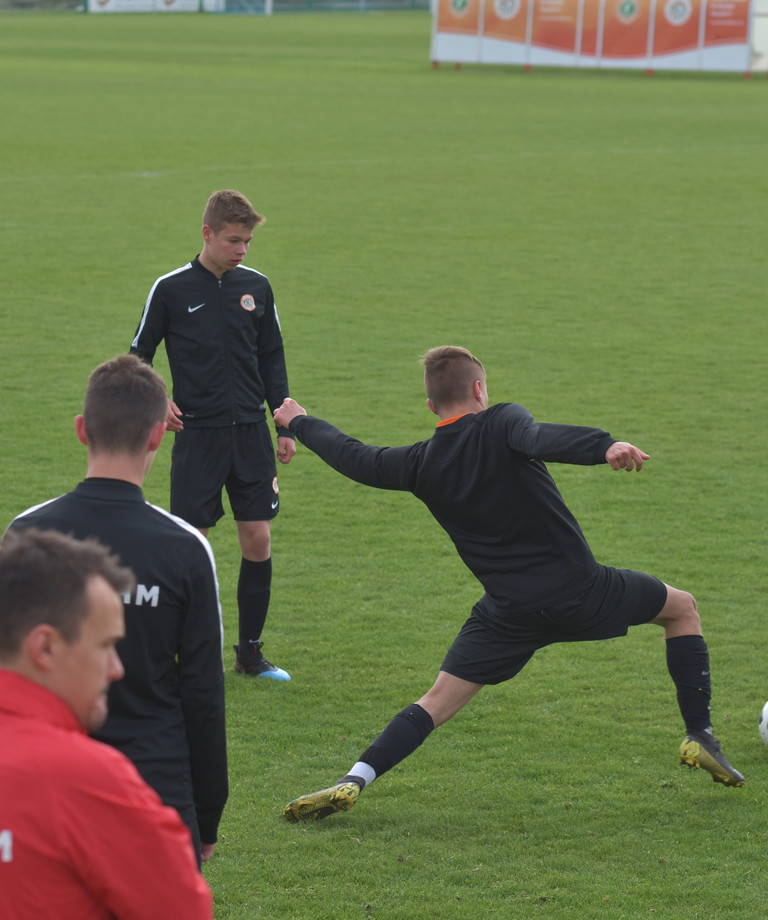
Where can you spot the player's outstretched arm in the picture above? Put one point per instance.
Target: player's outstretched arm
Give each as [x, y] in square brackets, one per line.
[287, 412]
[624, 456]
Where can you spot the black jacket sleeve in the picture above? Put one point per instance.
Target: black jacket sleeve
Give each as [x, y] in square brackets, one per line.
[551, 442]
[152, 326]
[201, 688]
[381, 467]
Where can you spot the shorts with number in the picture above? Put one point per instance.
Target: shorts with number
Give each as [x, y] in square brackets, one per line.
[492, 646]
[240, 459]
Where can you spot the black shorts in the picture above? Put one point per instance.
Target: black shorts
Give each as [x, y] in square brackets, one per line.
[491, 647]
[240, 459]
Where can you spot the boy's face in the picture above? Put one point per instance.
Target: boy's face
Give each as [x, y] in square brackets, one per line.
[226, 249]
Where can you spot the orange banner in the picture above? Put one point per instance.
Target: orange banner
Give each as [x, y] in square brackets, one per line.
[625, 30]
[555, 24]
[676, 26]
[590, 23]
[460, 17]
[727, 22]
[506, 19]
[674, 34]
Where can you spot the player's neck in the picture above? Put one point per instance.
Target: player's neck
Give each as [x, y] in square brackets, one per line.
[214, 269]
[454, 412]
[126, 468]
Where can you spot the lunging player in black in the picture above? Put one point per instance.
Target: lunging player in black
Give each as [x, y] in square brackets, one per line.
[483, 477]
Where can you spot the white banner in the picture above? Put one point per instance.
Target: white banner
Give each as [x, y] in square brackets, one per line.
[155, 6]
[121, 6]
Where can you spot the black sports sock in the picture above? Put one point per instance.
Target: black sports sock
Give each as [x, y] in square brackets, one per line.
[253, 590]
[400, 738]
[688, 663]
[351, 778]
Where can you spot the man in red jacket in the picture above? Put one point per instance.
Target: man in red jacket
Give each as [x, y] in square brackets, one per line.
[78, 825]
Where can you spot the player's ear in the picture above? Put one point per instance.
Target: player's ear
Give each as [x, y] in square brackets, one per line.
[478, 390]
[82, 437]
[156, 435]
[39, 646]
[432, 407]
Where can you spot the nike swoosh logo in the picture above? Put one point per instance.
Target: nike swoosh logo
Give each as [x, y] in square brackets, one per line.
[275, 503]
[192, 309]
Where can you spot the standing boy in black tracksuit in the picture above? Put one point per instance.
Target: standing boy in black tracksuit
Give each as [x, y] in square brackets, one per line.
[167, 713]
[482, 475]
[225, 352]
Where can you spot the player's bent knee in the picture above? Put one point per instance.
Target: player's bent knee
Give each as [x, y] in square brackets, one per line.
[681, 610]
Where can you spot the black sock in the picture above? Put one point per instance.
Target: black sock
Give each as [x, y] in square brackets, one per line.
[253, 590]
[688, 663]
[400, 738]
[351, 778]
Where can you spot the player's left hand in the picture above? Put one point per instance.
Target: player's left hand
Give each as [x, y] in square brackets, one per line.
[624, 456]
[206, 851]
[174, 417]
[286, 448]
[287, 412]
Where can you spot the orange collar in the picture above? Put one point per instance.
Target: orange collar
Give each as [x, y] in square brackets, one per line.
[448, 421]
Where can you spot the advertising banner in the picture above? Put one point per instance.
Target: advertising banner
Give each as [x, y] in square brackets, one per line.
[555, 24]
[677, 26]
[648, 34]
[506, 20]
[625, 29]
[143, 6]
[121, 6]
[461, 17]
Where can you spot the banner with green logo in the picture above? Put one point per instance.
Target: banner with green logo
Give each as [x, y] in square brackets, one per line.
[642, 34]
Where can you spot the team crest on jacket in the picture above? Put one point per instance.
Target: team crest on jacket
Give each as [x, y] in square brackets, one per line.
[247, 302]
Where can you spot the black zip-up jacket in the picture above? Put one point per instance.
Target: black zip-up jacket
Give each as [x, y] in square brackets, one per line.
[223, 340]
[483, 478]
[167, 713]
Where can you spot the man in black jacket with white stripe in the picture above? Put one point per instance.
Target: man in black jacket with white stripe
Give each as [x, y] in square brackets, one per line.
[167, 714]
[225, 352]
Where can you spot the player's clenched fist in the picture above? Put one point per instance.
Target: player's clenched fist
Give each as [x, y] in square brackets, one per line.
[288, 411]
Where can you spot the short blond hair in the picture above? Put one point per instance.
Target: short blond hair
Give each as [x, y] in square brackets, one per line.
[449, 374]
[230, 207]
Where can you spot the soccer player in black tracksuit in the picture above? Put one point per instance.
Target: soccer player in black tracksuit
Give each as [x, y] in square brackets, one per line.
[483, 477]
[167, 713]
[225, 352]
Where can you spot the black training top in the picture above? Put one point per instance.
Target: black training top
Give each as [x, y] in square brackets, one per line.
[483, 478]
[167, 713]
[223, 340]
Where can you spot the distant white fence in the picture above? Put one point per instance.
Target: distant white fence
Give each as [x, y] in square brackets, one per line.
[263, 7]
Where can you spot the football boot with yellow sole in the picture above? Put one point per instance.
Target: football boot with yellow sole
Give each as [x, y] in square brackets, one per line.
[317, 805]
[702, 749]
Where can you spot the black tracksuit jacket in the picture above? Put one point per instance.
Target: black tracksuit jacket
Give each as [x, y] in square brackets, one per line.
[484, 479]
[167, 713]
[223, 340]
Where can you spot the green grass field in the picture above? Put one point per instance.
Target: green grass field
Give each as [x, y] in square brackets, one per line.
[598, 239]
